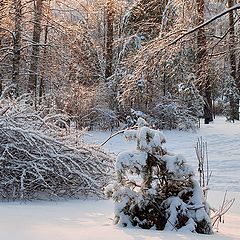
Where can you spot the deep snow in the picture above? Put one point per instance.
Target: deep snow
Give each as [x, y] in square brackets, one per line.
[91, 220]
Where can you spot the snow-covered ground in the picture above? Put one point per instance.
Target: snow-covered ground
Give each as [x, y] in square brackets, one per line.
[91, 220]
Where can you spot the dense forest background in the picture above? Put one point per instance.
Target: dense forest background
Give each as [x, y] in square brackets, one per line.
[101, 62]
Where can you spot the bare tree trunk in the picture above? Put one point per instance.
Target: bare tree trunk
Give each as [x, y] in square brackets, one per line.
[17, 5]
[234, 105]
[1, 77]
[238, 76]
[204, 82]
[1, 85]
[42, 84]
[33, 76]
[109, 39]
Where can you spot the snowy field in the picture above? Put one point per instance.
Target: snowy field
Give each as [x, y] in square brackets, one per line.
[91, 220]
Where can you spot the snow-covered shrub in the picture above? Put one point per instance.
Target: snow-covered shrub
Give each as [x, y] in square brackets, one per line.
[172, 113]
[181, 111]
[36, 161]
[88, 106]
[168, 113]
[99, 118]
[155, 189]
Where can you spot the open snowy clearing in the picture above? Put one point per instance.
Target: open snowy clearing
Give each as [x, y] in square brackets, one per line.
[78, 219]
[223, 139]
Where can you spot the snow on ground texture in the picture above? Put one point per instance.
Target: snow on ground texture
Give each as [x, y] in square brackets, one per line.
[91, 220]
[223, 139]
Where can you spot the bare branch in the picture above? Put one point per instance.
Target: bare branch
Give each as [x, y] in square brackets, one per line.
[235, 7]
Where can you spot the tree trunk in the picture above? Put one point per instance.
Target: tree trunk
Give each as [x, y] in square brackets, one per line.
[234, 105]
[17, 5]
[204, 83]
[109, 39]
[1, 77]
[1, 86]
[42, 84]
[34, 63]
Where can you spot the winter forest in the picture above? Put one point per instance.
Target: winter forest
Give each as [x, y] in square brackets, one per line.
[119, 117]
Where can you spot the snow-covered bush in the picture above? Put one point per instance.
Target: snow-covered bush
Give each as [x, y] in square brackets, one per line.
[88, 106]
[181, 111]
[36, 161]
[155, 189]
[132, 117]
[168, 113]
[99, 118]
[172, 113]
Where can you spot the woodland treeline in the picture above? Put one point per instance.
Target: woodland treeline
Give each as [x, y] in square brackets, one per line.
[99, 61]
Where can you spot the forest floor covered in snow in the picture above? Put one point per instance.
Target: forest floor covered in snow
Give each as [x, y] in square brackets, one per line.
[92, 220]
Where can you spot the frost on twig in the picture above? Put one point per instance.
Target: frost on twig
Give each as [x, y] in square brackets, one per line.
[36, 162]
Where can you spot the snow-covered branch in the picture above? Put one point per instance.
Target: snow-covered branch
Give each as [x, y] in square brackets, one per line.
[235, 7]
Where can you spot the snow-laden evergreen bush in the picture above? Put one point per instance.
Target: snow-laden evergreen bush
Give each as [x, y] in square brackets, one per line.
[38, 161]
[155, 189]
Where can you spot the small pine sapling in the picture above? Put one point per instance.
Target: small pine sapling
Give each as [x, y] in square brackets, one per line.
[155, 189]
